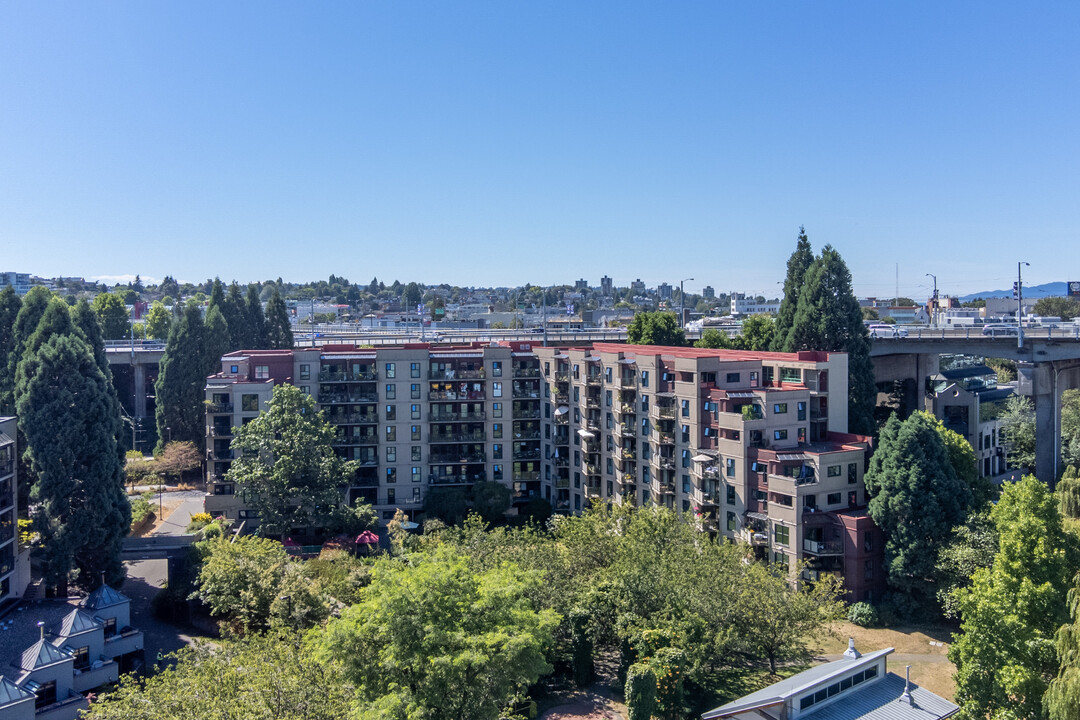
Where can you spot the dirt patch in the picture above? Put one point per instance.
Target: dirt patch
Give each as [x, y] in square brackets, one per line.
[590, 705]
[906, 639]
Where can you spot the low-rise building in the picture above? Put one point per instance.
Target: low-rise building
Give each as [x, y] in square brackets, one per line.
[19, 281]
[69, 650]
[742, 304]
[968, 401]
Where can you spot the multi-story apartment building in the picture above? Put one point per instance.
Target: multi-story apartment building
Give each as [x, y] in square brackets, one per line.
[14, 570]
[748, 305]
[968, 401]
[753, 444]
[19, 281]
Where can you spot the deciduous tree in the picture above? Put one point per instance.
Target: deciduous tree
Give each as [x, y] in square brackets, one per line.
[239, 579]
[113, 316]
[655, 328]
[158, 321]
[288, 466]
[1018, 432]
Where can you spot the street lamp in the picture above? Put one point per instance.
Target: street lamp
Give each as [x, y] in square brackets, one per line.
[682, 302]
[934, 307]
[1020, 305]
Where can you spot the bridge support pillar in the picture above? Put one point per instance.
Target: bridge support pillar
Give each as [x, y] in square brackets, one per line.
[926, 366]
[139, 384]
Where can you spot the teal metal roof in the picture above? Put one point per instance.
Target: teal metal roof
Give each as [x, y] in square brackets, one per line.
[11, 693]
[103, 597]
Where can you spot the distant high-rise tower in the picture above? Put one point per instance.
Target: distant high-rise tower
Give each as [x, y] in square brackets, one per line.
[605, 285]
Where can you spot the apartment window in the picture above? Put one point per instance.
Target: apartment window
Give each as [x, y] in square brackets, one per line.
[868, 570]
[391, 433]
[646, 451]
[868, 540]
[607, 374]
[547, 368]
[686, 408]
[416, 493]
[305, 372]
[496, 410]
[577, 371]
[414, 432]
[730, 467]
[810, 502]
[496, 451]
[249, 403]
[779, 408]
[391, 454]
[800, 408]
[832, 471]
[262, 372]
[496, 472]
[645, 427]
[496, 368]
[306, 390]
[686, 484]
[607, 398]
[731, 521]
[645, 378]
[577, 395]
[610, 421]
[414, 453]
[644, 403]
[733, 378]
[577, 458]
[780, 435]
[391, 412]
[82, 658]
[791, 375]
[801, 432]
[496, 430]
[730, 495]
[686, 458]
[415, 473]
[414, 370]
[45, 694]
[852, 473]
[833, 499]
[391, 475]
[686, 433]
[767, 374]
[414, 412]
[391, 371]
[610, 467]
[234, 369]
[781, 534]
[414, 391]
[391, 391]
[391, 496]
[753, 379]
[242, 515]
[496, 389]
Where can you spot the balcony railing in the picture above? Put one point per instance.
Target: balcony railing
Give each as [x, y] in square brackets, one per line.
[340, 398]
[593, 379]
[526, 414]
[454, 395]
[823, 547]
[526, 394]
[562, 483]
[527, 454]
[370, 439]
[457, 458]
[214, 432]
[526, 372]
[664, 412]
[458, 437]
[527, 435]
[220, 408]
[562, 377]
[456, 416]
[533, 476]
[456, 479]
[456, 374]
[627, 382]
[666, 438]
[355, 419]
[665, 488]
[591, 469]
[347, 376]
[626, 409]
[560, 462]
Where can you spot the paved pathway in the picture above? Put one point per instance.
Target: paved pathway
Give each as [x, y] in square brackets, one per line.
[177, 521]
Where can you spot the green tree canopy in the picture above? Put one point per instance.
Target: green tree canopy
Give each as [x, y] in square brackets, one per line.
[158, 321]
[113, 316]
[916, 499]
[1064, 308]
[9, 310]
[254, 336]
[239, 579]
[181, 382]
[288, 466]
[432, 638]
[29, 314]
[1005, 654]
[963, 461]
[714, 339]
[1018, 432]
[655, 328]
[1070, 427]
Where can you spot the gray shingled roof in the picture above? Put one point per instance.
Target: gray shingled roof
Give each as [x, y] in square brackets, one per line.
[12, 693]
[40, 654]
[75, 622]
[103, 597]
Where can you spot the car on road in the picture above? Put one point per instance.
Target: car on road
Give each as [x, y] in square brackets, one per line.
[1000, 330]
[885, 331]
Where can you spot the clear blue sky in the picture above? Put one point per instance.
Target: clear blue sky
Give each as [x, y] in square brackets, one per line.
[496, 143]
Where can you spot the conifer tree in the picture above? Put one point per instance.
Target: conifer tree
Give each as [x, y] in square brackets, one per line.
[828, 317]
[234, 310]
[797, 265]
[67, 416]
[279, 330]
[255, 332]
[84, 318]
[26, 320]
[9, 310]
[181, 382]
[217, 341]
[916, 499]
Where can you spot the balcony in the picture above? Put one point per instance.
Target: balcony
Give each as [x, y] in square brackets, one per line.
[533, 476]
[453, 395]
[527, 435]
[626, 409]
[562, 377]
[664, 413]
[458, 437]
[355, 419]
[562, 483]
[664, 463]
[592, 469]
[446, 417]
[220, 408]
[526, 372]
[342, 398]
[214, 432]
[221, 454]
[466, 479]
[625, 430]
[326, 375]
[627, 381]
[593, 380]
[666, 438]
[664, 488]
[523, 414]
[526, 394]
[527, 454]
[369, 439]
[627, 479]
[592, 490]
[757, 539]
[457, 458]
[456, 374]
[592, 403]
[823, 547]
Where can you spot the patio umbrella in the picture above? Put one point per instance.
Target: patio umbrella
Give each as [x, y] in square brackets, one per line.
[367, 538]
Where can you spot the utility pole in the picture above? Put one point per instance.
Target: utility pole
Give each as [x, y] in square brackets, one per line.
[934, 306]
[1020, 305]
[682, 301]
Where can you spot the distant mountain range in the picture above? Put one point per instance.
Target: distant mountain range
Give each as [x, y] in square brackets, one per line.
[1030, 291]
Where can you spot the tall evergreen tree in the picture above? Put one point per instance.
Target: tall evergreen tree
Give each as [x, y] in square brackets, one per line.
[234, 311]
[217, 341]
[255, 331]
[9, 310]
[26, 321]
[278, 328]
[797, 265]
[87, 321]
[916, 499]
[217, 293]
[828, 317]
[67, 417]
[181, 382]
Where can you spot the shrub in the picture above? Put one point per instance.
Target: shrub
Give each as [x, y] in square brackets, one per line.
[199, 521]
[581, 647]
[863, 614]
[640, 692]
[140, 508]
[1068, 491]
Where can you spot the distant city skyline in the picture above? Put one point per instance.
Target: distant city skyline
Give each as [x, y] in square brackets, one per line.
[485, 143]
